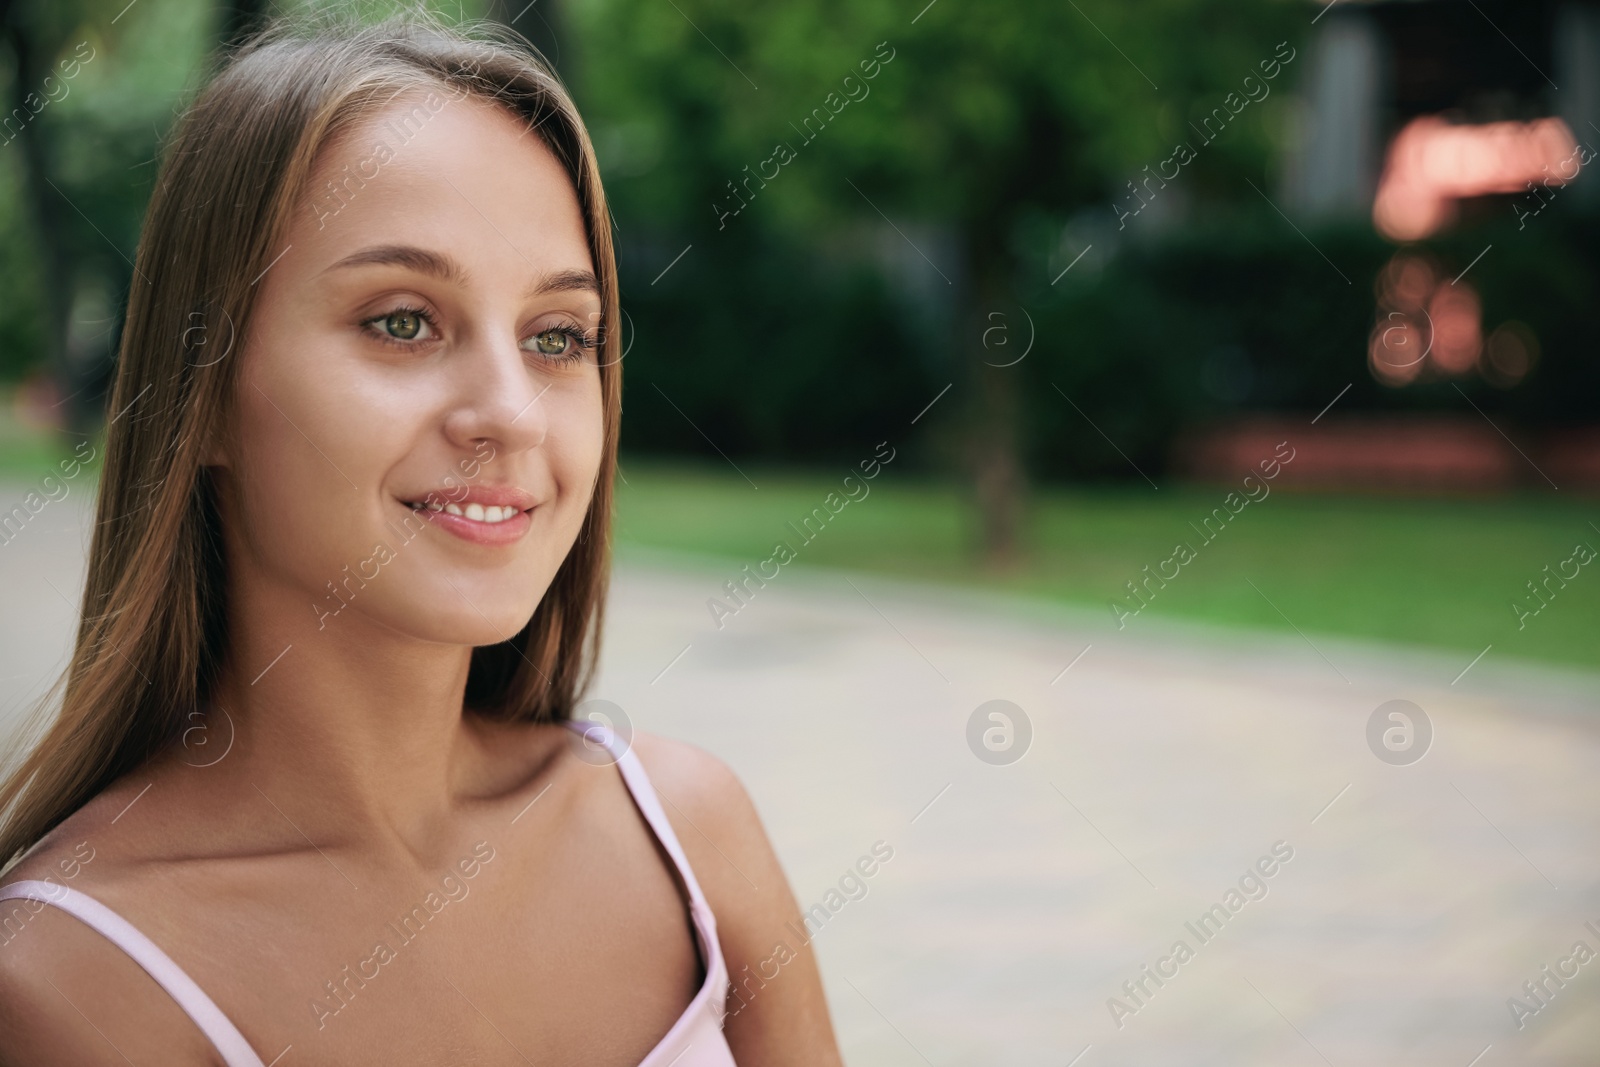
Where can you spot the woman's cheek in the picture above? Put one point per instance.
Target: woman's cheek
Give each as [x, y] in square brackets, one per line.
[577, 430]
[309, 487]
[594, 445]
[576, 442]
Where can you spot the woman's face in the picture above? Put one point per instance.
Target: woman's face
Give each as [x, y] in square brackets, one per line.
[428, 338]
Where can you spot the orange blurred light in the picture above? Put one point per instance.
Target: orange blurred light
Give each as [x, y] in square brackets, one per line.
[1406, 282]
[1457, 319]
[1428, 327]
[1396, 349]
[1432, 164]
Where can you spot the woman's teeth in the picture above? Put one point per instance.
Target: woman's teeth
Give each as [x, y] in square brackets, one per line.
[475, 512]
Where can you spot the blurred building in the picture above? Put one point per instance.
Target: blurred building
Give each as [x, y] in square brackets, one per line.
[1424, 117]
[1377, 68]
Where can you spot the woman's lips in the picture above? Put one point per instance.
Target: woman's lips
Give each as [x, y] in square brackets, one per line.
[477, 531]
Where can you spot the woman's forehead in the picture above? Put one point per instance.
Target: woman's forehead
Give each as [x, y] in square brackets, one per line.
[458, 174]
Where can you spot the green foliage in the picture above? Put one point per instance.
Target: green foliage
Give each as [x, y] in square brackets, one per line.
[980, 112]
[795, 147]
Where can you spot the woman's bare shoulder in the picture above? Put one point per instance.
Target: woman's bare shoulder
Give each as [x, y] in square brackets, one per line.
[68, 851]
[718, 825]
[701, 777]
[125, 843]
[54, 968]
[701, 789]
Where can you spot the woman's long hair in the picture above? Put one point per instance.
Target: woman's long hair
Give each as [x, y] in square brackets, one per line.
[153, 629]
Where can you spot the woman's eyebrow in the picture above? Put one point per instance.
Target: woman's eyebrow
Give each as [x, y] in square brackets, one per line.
[566, 281]
[421, 260]
[442, 266]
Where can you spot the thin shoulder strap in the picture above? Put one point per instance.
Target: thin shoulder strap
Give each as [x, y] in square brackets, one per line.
[647, 801]
[235, 1050]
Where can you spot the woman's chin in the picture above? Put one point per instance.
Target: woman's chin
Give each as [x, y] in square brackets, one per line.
[471, 628]
[456, 617]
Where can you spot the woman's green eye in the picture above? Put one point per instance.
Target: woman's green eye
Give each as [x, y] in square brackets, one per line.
[552, 342]
[404, 325]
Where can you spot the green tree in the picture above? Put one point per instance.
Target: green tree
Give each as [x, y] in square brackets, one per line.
[989, 124]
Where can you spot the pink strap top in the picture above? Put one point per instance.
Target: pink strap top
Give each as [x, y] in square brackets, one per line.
[695, 1040]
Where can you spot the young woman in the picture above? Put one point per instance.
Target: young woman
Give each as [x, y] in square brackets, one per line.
[315, 795]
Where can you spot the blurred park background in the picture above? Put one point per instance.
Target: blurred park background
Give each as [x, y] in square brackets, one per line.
[1082, 266]
[1307, 289]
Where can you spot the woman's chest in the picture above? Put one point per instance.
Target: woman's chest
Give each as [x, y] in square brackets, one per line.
[600, 989]
[592, 967]
[569, 948]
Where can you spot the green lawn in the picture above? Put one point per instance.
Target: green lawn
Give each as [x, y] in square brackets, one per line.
[1440, 572]
[24, 459]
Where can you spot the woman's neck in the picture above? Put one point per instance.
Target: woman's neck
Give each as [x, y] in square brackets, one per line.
[355, 732]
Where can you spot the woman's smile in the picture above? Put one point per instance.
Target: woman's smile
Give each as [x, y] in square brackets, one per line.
[484, 515]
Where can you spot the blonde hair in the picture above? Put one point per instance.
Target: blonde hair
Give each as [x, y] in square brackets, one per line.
[153, 629]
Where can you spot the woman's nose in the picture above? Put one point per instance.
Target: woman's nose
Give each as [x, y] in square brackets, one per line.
[500, 399]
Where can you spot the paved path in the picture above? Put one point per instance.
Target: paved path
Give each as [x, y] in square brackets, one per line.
[1164, 765]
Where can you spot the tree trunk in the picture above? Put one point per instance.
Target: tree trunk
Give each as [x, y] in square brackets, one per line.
[46, 204]
[989, 345]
